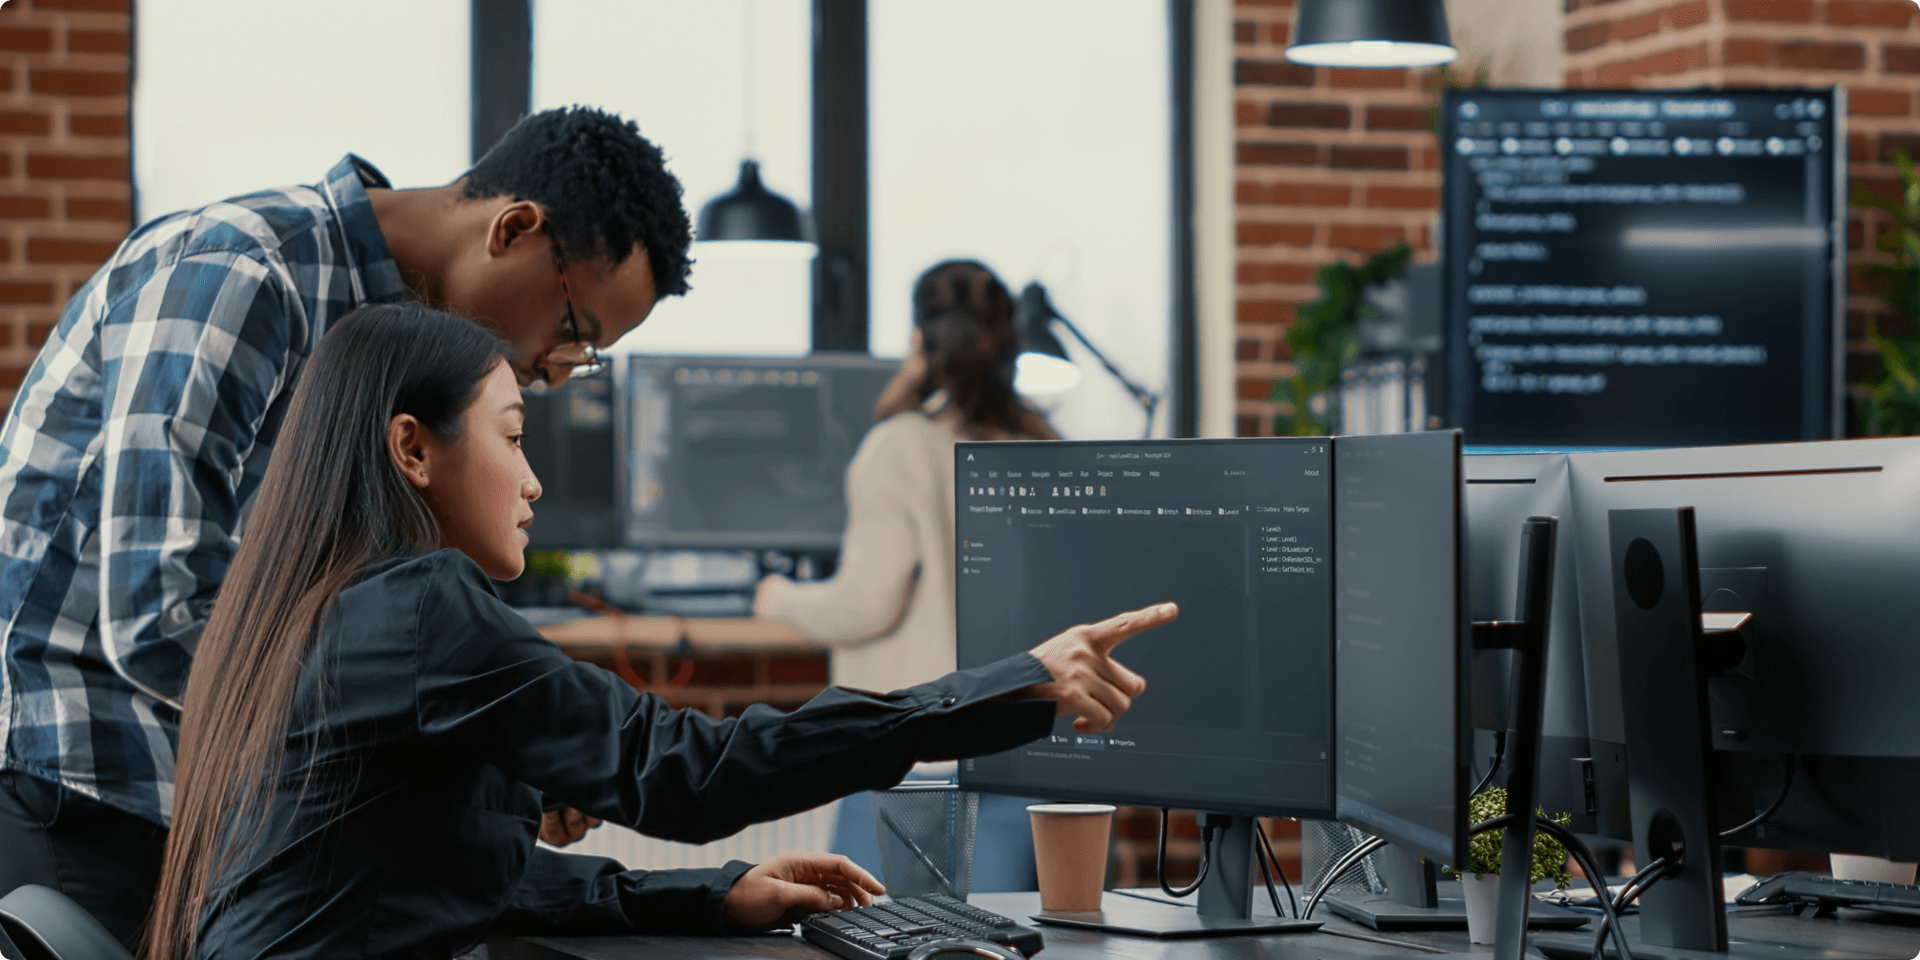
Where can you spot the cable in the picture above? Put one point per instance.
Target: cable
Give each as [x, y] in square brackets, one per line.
[1340, 866]
[1267, 875]
[1160, 859]
[1580, 852]
[1499, 754]
[1786, 785]
[1262, 831]
[1628, 894]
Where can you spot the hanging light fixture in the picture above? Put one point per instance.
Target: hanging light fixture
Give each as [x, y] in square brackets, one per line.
[1371, 33]
[750, 220]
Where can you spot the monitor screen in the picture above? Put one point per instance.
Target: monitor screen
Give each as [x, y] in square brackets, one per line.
[1641, 267]
[1400, 651]
[1237, 715]
[744, 451]
[569, 443]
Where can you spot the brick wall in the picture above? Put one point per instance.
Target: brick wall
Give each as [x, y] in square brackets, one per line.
[1871, 46]
[65, 186]
[1331, 163]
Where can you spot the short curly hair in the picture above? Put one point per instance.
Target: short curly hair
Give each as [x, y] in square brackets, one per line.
[604, 187]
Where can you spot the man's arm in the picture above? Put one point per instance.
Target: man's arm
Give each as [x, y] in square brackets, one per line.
[192, 361]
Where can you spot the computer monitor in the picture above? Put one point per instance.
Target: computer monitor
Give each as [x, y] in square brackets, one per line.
[1401, 653]
[742, 452]
[1503, 490]
[1644, 267]
[1238, 717]
[570, 445]
[1251, 537]
[1817, 542]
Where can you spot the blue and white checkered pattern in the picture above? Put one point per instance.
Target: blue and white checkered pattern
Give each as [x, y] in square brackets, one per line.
[133, 452]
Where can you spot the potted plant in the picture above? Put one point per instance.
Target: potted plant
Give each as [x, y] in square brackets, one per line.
[1890, 405]
[1480, 879]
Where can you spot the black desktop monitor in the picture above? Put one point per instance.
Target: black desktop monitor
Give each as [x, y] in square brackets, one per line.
[1238, 715]
[742, 452]
[570, 445]
[1401, 650]
[1818, 542]
[1630, 267]
[1503, 491]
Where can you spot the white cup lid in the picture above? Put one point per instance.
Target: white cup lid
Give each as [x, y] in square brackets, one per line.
[1071, 808]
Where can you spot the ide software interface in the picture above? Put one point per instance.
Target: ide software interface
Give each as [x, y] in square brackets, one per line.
[1238, 714]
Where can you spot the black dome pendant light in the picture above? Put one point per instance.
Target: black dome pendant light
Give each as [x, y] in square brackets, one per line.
[750, 215]
[1371, 33]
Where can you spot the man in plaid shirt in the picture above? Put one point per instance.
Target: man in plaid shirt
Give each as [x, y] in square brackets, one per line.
[140, 435]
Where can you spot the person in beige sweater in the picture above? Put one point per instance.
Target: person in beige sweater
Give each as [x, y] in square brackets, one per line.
[888, 610]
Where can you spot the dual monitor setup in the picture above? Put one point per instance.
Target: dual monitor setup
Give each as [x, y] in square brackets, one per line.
[1358, 612]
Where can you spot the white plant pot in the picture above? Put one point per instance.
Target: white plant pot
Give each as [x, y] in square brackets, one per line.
[1483, 905]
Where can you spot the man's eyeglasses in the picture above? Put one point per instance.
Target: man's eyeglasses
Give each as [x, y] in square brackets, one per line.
[581, 354]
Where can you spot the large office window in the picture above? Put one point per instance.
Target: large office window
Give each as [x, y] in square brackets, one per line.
[231, 98]
[1032, 135]
[712, 83]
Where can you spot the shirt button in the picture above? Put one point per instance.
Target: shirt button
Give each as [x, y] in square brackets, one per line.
[948, 701]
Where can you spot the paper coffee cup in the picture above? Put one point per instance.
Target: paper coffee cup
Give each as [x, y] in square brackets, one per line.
[1848, 866]
[1070, 853]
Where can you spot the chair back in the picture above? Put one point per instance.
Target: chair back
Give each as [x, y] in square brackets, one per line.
[40, 923]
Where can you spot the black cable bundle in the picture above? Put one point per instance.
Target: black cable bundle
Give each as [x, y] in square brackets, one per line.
[1160, 860]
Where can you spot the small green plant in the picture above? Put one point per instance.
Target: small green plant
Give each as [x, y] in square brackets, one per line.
[560, 563]
[1890, 406]
[1325, 337]
[1483, 849]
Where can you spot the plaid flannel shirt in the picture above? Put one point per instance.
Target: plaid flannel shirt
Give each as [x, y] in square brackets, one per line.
[134, 449]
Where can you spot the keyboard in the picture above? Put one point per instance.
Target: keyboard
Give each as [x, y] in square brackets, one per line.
[891, 929]
[1825, 893]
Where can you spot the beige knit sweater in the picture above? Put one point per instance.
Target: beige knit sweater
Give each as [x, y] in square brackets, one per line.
[888, 611]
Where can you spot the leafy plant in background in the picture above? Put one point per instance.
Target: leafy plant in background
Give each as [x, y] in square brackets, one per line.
[1325, 337]
[1890, 406]
[1483, 849]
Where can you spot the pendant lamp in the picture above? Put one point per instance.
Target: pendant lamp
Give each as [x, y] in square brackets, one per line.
[750, 221]
[1371, 33]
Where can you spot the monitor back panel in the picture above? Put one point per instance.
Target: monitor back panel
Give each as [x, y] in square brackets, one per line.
[1821, 542]
[1237, 716]
[1401, 656]
[748, 452]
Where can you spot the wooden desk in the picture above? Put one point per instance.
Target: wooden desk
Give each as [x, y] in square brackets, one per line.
[1871, 934]
[720, 634]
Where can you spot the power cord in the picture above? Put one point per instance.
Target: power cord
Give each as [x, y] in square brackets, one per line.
[1347, 861]
[1641, 881]
[1160, 859]
[1260, 829]
[1581, 854]
[1785, 785]
[1499, 754]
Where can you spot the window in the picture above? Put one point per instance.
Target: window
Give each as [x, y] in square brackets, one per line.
[1034, 137]
[229, 100]
[712, 83]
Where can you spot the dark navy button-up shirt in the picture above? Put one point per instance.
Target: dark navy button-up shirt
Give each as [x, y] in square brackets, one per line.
[432, 724]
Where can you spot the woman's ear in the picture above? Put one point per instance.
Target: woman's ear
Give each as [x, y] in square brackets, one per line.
[406, 444]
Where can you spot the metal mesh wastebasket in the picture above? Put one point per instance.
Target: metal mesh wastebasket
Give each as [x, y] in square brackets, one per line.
[1321, 843]
[926, 838]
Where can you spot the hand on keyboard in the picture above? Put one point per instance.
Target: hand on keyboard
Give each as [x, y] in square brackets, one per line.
[795, 885]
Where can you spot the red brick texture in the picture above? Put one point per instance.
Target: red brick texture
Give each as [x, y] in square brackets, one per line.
[1870, 46]
[66, 194]
[1332, 164]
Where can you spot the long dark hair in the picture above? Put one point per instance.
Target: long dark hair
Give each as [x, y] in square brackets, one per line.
[967, 333]
[332, 503]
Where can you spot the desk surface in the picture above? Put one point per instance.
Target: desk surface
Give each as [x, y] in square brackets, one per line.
[731, 634]
[1877, 934]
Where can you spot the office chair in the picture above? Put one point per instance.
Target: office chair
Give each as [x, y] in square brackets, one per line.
[40, 923]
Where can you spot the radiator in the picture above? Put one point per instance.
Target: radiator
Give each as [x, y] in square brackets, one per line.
[809, 831]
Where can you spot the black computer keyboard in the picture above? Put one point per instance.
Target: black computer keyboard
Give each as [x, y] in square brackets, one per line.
[892, 929]
[1825, 893]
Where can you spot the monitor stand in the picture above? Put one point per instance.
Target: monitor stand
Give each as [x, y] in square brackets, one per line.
[1417, 899]
[1225, 907]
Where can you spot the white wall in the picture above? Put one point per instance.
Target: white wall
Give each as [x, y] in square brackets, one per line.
[234, 96]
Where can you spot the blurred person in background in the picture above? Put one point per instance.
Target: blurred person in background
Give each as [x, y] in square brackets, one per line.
[888, 612]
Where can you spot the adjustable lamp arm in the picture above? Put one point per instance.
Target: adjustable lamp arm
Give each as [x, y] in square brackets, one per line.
[1145, 397]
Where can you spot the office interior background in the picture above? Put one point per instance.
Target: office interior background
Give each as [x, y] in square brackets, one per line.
[1027, 133]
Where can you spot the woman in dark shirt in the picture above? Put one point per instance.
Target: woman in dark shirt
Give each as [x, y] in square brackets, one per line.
[372, 735]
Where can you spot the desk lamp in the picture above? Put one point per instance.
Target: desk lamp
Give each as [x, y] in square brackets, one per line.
[1044, 369]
